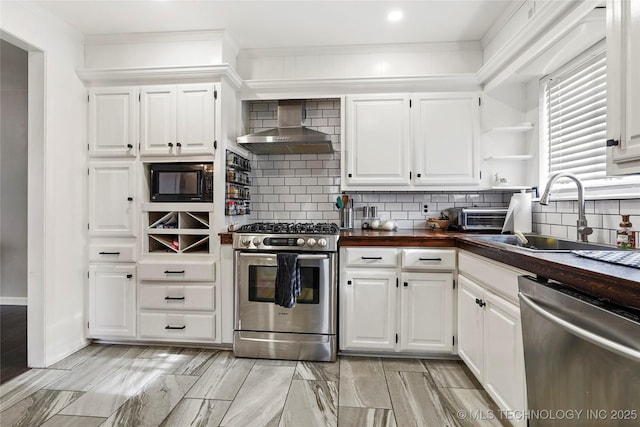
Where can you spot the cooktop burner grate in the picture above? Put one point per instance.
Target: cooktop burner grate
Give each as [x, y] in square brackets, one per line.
[289, 228]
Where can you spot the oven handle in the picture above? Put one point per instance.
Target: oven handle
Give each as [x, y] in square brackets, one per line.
[271, 255]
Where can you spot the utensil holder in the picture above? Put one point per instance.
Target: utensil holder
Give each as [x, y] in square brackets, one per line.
[346, 218]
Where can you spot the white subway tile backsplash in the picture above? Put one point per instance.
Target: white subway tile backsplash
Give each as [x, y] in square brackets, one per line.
[304, 187]
[286, 198]
[569, 219]
[565, 207]
[629, 207]
[607, 207]
[559, 231]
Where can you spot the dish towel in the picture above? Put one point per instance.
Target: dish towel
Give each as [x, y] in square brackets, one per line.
[626, 258]
[287, 280]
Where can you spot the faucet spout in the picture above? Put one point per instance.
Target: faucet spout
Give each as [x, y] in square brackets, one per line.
[583, 230]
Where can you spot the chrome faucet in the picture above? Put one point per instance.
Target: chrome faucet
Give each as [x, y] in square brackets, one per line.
[582, 229]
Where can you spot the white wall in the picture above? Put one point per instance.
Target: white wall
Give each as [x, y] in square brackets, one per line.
[56, 258]
[172, 49]
[13, 174]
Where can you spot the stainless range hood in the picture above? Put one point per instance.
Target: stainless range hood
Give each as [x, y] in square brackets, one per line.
[290, 137]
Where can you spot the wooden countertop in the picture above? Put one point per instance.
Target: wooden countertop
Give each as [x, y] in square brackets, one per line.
[610, 282]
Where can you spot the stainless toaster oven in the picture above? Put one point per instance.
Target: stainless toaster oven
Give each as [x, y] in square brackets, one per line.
[476, 219]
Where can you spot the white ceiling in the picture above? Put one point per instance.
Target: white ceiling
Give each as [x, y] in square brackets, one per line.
[274, 24]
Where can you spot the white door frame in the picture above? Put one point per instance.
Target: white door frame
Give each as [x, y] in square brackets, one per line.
[36, 189]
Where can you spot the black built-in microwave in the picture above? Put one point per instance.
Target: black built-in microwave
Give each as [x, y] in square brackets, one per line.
[181, 182]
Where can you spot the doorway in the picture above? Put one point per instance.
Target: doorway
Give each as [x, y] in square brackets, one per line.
[14, 77]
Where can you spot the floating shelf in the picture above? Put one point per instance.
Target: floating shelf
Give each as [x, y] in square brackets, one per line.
[511, 187]
[510, 157]
[522, 127]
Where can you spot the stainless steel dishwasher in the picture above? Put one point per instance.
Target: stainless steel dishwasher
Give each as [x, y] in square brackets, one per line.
[582, 358]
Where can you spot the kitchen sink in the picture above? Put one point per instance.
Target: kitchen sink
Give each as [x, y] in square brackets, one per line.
[543, 243]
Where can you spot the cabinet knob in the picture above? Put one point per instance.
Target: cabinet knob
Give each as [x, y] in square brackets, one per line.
[419, 175]
[130, 199]
[129, 146]
[129, 276]
[406, 284]
[170, 144]
[612, 142]
[349, 175]
[178, 144]
[348, 282]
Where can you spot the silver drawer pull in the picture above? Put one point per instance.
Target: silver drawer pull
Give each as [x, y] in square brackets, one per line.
[430, 259]
[175, 327]
[174, 298]
[376, 258]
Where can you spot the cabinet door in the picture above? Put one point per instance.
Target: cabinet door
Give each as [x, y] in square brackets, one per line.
[377, 140]
[113, 122]
[112, 210]
[445, 139]
[158, 120]
[426, 312]
[196, 118]
[623, 86]
[112, 301]
[368, 303]
[470, 325]
[503, 353]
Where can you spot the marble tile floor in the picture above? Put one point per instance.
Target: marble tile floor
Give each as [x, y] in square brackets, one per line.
[120, 385]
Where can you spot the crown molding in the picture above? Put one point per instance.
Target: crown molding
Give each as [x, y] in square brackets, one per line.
[332, 87]
[160, 75]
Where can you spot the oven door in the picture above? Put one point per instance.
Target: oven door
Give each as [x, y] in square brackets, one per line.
[315, 310]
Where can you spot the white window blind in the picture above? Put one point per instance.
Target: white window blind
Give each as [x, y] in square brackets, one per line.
[576, 108]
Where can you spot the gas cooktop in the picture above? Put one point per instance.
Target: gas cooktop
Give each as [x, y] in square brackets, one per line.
[277, 236]
[289, 228]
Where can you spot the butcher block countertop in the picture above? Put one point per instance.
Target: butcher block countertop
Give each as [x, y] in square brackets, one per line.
[610, 282]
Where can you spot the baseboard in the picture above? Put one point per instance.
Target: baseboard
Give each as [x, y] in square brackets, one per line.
[13, 300]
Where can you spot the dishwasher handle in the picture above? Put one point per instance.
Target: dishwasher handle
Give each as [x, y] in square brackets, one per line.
[586, 335]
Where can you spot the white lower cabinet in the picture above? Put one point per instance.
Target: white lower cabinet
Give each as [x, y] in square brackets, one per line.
[383, 308]
[368, 305]
[112, 301]
[426, 316]
[489, 330]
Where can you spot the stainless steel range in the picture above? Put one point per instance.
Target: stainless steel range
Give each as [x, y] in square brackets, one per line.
[306, 331]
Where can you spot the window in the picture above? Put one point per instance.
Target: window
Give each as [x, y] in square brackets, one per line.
[573, 122]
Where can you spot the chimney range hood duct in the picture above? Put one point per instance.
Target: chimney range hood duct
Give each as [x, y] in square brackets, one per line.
[290, 137]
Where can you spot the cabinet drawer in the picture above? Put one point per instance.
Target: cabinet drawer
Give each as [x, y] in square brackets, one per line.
[177, 297]
[177, 326]
[185, 271]
[428, 259]
[123, 252]
[371, 257]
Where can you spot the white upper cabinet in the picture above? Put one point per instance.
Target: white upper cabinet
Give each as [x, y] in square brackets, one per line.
[113, 122]
[623, 87]
[196, 117]
[112, 207]
[411, 141]
[377, 140]
[445, 138]
[158, 106]
[178, 120]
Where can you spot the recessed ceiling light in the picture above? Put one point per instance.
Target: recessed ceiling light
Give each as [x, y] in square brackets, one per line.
[394, 15]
